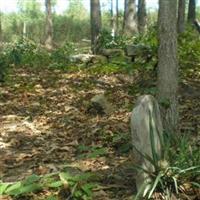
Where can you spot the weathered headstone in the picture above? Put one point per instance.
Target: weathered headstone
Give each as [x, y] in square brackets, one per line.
[145, 118]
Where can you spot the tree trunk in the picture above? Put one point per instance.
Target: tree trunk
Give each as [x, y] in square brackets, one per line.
[125, 12]
[197, 25]
[0, 27]
[142, 16]
[181, 16]
[167, 64]
[49, 26]
[130, 22]
[24, 29]
[192, 11]
[117, 17]
[112, 19]
[95, 15]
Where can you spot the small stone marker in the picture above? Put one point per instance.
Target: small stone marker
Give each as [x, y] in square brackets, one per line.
[145, 112]
[99, 105]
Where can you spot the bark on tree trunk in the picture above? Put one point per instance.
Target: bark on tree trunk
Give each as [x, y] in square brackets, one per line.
[130, 22]
[181, 16]
[167, 64]
[142, 16]
[197, 25]
[117, 17]
[125, 12]
[49, 26]
[95, 20]
[0, 27]
[192, 11]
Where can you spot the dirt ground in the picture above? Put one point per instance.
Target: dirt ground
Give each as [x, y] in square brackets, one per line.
[44, 121]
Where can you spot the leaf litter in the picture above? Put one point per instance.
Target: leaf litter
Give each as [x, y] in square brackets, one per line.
[43, 124]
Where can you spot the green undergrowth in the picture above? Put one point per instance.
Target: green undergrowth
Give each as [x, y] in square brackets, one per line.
[101, 69]
[61, 185]
[104, 69]
[91, 151]
[25, 52]
[189, 51]
[175, 168]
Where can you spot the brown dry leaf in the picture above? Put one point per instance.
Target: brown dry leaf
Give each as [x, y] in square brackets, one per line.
[52, 122]
[41, 170]
[23, 156]
[73, 143]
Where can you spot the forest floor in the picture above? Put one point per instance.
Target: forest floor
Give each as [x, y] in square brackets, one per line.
[45, 125]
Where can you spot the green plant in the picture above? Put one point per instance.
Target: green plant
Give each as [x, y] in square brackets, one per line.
[107, 41]
[146, 46]
[25, 52]
[121, 142]
[174, 168]
[60, 56]
[78, 186]
[91, 152]
[4, 64]
[189, 50]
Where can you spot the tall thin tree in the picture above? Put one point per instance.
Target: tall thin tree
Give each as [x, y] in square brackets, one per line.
[192, 11]
[112, 18]
[48, 26]
[130, 18]
[95, 20]
[168, 64]
[125, 12]
[181, 16]
[142, 16]
[0, 24]
[117, 17]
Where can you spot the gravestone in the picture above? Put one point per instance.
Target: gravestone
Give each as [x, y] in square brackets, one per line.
[145, 118]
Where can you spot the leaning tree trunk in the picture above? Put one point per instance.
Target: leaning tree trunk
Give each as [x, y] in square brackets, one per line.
[181, 16]
[49, 26]
[95, 20]
[167, 64]
[130, 22]
[192, 11]
[142, 16]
